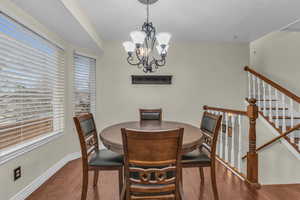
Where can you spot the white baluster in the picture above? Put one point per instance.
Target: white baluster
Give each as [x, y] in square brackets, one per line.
[249, 86]
[254, 86]
[283, 114]
[292, 112]
[292, 135]
[226, 137]
[264, 99]
[232, 140]
[219, 144]
[277, 109]
[270, 104]
[218, 141]
[258, 94]
[240, 144]
[221, 136]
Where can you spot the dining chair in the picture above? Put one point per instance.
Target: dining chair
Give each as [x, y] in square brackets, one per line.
[152, 162]
[205, 156]
[94, 159]
[151, 114]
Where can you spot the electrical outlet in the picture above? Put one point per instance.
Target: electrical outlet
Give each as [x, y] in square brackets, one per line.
[17, 173]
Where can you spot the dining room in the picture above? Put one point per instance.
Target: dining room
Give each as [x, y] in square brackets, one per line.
[149, 99]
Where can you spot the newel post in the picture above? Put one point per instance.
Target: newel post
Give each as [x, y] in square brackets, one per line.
[252, 156]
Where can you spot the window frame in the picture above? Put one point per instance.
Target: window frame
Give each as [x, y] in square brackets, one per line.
[90, 56]
[18, 149]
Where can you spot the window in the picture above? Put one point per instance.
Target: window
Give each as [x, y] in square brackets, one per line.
[84, 84]
[31, 84]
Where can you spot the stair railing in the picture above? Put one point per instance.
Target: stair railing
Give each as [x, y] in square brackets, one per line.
[276, 104]
[231, 145]
[276, 139]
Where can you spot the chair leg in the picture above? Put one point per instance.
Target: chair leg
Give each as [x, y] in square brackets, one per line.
[123, 194]
[214, 182]
[127, 194]
[121, 180]
[181, 175]
[201, 175]
[96, 176]
[85, 181]
[180, 192]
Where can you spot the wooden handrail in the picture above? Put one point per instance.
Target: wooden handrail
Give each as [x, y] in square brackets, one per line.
[275, 139]
[273, 84]
[237, 112]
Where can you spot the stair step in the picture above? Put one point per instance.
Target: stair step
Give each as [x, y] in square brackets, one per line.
[268, 100]
[285, 117]
[274, 108]
[287, 128]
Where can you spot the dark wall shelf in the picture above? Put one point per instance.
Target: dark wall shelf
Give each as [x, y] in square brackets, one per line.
[151, 79]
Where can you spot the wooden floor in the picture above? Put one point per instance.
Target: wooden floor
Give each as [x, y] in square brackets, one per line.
[66, 185]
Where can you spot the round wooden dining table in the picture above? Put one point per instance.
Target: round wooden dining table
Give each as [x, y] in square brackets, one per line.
[112, 139]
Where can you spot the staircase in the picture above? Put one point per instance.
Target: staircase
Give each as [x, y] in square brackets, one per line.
[237, 149]
[278, 106]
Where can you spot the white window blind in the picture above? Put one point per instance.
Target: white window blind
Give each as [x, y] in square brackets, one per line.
[84, 84]
[31, 84]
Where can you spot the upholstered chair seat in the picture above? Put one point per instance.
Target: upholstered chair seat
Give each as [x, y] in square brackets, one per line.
[106, 158]
[196, 156]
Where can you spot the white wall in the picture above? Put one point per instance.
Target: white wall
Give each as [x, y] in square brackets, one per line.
[277, 165]
[277, 56]
[203, 73]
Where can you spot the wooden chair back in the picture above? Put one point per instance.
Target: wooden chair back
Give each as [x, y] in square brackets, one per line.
[210, 127]
[151, 114]
[87, 133]
[152, 163]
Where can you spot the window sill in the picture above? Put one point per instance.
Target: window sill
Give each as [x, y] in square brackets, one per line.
[24, 147]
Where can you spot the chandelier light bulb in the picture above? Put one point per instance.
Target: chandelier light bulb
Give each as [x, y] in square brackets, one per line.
[129, 46]
[138, 37]
[163, 38]
[144, 51]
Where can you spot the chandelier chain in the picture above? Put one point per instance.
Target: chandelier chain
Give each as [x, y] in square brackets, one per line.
[147, 11]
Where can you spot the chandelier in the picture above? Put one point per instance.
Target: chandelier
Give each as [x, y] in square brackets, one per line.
[141, 51]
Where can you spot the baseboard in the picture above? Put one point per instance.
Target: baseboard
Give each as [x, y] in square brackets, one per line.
[34, 185]
[230, 169]
[288, 184]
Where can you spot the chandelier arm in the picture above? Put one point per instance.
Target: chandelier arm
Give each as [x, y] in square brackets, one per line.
[161, 62]
[146, 69]
[130, 61]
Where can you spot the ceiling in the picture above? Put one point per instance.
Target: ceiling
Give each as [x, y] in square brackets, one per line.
[186, 20]
[209, 20]
[57, 18]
